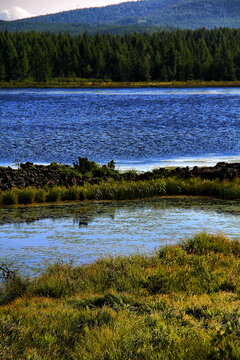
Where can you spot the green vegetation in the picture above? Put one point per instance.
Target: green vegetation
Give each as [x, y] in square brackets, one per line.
[124, 190]
[168, 57]
[87, 180]
[96, 84]
[148, 15]
[182, 302]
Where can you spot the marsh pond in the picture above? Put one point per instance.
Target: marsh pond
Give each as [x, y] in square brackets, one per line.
[32, 237]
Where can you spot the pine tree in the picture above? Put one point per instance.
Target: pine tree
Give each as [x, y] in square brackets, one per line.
[157, 67]
[204, 61]
[41, 70]
[22, 65]
[10, 55]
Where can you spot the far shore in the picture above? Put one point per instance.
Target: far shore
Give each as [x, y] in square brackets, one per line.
[95, 84]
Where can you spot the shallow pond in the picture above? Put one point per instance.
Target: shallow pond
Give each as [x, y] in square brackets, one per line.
[31, 237]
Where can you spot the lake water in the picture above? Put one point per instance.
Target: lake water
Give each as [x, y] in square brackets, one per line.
[31, 237]
[138, 128]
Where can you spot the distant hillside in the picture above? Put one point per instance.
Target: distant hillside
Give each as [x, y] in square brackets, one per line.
[75, 28]
[146, 14]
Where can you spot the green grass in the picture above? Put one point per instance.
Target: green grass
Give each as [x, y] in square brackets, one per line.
[96, 83]
[182, 302]
[125, 190]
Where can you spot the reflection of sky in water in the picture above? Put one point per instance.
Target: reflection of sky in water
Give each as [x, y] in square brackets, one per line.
[129, 229]
[126, 91]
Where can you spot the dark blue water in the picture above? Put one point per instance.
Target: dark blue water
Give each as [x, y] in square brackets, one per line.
[131, 126]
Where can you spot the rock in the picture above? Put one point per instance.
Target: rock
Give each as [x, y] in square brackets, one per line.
[40, 176]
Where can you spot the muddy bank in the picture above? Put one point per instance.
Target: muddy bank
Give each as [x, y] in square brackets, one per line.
[54, 174]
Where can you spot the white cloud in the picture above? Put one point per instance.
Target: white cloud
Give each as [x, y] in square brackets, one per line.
[97, 3]
[43, 7]
[14, 13]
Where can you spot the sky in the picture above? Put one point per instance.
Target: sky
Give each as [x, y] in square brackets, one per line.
[18, 9]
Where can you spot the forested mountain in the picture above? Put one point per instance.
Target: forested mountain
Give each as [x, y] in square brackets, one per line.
[165, 56]
[76, 29]
[146, 14]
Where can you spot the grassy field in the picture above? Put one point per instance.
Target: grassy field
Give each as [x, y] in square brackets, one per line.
[93, 83]
[124, 190]
[182, 302]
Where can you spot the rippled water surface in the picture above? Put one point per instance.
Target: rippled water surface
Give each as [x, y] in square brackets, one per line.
[30, 237]
[135, 127]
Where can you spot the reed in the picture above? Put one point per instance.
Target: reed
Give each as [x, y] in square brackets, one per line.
[125, 190]
[26, 196]
[182, 302]
[9, 197]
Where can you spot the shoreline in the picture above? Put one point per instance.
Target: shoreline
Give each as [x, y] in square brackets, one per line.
[85, 171]
[95, 84]
[87, 180]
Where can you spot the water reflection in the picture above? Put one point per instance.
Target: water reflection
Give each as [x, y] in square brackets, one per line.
[32, 236]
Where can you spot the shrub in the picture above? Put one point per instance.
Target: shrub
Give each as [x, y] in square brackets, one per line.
[10, 197]
[26, 196]
[12, 289]
[203, 243]
[40, 195]
[54, 194]
[69, 194]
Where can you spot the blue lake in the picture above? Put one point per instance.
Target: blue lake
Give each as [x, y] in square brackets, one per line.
[135, 127]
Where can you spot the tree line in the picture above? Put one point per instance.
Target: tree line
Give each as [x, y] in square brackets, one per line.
[179, 55]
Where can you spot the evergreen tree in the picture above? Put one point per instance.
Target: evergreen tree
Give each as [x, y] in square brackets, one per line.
[2, 61]
[164, 56]
[10, 56]
[204, 61]
[22, 65]
[41, 70]
[157, 67]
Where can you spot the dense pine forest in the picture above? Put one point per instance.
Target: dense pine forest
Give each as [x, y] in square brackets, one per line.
[164, 56]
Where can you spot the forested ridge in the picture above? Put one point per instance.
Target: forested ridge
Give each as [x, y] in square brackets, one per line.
[183, 13]
[147, 15]
[164, 56]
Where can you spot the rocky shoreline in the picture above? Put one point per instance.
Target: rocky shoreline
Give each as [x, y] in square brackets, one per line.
[38, 176]
[221, 171]
[41, 176]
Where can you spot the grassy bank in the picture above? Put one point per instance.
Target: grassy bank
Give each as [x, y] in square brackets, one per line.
[124, 190]
[84, 83]
[183, 302]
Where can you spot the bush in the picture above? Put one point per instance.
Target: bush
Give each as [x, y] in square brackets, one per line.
[12, 289]
[54, 194]
[26, 196]
[10, 197]
[40, 195]
[203, 243]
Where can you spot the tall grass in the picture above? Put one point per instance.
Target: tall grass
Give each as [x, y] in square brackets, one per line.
[125, 190]
[182, 302]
